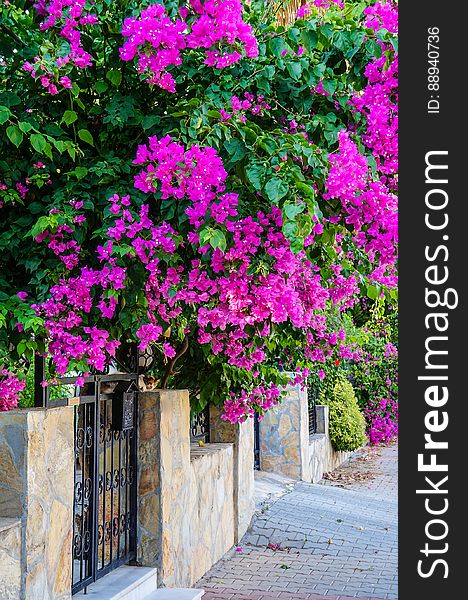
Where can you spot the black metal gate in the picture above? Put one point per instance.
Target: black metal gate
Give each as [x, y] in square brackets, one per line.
[256, 442]
[104, 522]
[200, 426]
[105, 474]
[312, 395]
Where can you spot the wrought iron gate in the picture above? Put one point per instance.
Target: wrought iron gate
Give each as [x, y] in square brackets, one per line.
[105, 474]
[104, 521]
[200, 426]
[312, 395]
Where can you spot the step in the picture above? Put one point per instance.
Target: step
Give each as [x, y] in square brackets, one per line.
[175, 594]
[125, 583]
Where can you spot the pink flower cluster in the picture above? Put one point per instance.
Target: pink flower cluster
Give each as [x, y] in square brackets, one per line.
[379, 103]
[197, 174]
[68, 17]
[382, 15]
[157, 41]
[215, 25]
[10, 387]
[239, 107]
[382, 420]
[220, 25]
[369, 205]
[64, 313]
[68, 251]
[260, 399]
[228, 299]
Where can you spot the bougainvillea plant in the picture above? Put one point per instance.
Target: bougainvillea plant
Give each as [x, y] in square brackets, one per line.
[197, 179]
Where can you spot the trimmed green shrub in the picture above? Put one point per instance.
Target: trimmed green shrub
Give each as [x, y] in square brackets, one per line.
[347, 424]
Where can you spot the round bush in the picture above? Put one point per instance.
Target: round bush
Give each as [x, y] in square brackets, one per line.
[347, 424]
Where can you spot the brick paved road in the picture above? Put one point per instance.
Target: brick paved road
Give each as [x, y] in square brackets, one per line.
[331, 542]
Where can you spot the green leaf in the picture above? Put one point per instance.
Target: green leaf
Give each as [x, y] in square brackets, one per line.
[290, 230]
[149, 121]
[329, 86]
[35, 207]
[48, 150]
[15, 135]
[254, 174]
[292, 210]
[309, 39]
[69, 117]
[205, 235]
[372, 292]
[25, 126]
[38, 142]
[235, 149]
[60, 145]
[100, 87]
[40, 226]
[79, 172]
[84, 135]
[277, 47]
[10, 99]
[276, 189]
[4, 114]
[115, 77]
[306, 189]
[295, 70]
[218, 240]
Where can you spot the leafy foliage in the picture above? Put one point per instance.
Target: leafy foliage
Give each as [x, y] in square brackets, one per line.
[347, 424]
[74, 113]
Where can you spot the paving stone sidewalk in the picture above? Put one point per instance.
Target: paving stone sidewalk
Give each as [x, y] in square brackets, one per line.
[335, 539]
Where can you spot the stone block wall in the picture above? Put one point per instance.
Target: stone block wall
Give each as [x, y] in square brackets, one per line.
[211, 507]
[286, 446]
[190, 497]
[10, 558]
[36, 487]
[194, 503]
[284, 436]
[242, 437]
[322, 457]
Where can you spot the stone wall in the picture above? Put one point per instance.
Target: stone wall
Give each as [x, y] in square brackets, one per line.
[241, 435]
[322, 457]
[286, 446]
[284, 436]
[10, 558]
[193, 501]
[36, 486]
[211, 507]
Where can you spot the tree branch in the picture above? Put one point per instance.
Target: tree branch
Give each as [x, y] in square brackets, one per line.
[170, 367]
[12, 34]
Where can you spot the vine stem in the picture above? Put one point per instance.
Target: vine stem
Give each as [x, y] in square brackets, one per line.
[170, 367]
[12, 34]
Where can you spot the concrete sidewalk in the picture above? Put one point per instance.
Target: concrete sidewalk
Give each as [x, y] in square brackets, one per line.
[336, 539]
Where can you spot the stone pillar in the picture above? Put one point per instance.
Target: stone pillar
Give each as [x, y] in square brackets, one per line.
[175, 487]
[242, 436]
[148, 495]
[36, 484]
[284, 436]
[163, 484]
